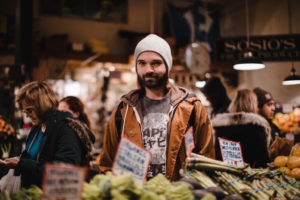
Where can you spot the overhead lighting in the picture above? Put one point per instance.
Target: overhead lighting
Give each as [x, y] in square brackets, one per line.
[249, 63]
[292, 79]
[171, 80]
[200, 84]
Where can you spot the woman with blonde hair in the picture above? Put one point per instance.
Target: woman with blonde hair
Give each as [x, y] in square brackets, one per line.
[54, 138]
[243, 124]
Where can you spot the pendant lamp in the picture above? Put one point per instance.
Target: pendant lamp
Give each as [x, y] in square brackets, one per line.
[248, 61]
[293, 78]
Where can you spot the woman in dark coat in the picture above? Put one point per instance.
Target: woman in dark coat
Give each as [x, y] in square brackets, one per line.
[243, 125]
[56, 137]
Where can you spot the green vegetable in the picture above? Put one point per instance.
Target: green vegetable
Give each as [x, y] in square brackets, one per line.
[209, 196]
[158, 184]
[179, 192]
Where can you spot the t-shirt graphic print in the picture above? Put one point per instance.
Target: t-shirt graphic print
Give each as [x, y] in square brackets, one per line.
[155, 122]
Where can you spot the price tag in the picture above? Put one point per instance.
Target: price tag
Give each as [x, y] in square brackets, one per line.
[189, 141]
[63, 182]
[131, 158]
[231, 152]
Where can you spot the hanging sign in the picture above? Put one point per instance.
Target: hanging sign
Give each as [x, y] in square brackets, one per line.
[264, 48]
[63, 182]
[131, 158]
[231, 152]
[189, 141]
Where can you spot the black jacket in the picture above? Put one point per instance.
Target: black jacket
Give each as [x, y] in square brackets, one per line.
[250, 129]
[65, 140]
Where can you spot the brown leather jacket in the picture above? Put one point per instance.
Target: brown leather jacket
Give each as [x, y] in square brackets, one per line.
[180, 112]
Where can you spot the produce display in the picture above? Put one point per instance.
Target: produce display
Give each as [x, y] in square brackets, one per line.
[33, 193]
[289, 122]
[290, 165]
[247, 183]
[106, 187]
[202, 179]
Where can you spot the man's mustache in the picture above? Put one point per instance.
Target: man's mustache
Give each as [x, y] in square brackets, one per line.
[150, 75]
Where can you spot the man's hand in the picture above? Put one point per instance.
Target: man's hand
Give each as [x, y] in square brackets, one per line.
[12, 162]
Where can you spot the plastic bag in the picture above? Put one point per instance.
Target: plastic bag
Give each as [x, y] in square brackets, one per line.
[10, 182]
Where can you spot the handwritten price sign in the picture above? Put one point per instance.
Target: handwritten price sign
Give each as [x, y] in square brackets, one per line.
[189, 141]
[63, 182]
[131, 158]
[231, 152]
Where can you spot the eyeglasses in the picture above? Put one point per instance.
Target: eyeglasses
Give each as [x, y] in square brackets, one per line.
[28, 111]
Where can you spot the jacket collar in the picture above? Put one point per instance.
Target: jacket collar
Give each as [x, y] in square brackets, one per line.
[177, 95]
[242, 118]
[239, 118]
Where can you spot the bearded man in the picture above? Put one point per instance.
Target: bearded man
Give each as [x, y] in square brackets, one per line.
[157, 115]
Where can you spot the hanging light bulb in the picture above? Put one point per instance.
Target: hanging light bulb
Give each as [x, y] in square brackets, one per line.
[292, 79]
[248, 61]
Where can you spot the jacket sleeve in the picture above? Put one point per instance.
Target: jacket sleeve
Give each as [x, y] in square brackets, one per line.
[110, 144]
[203, 132]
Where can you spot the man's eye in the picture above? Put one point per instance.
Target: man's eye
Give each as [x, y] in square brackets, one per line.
[141, 62]
[156, 62]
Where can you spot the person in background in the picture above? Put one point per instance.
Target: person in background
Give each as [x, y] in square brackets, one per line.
[157, 107]
[266, 108]
[55, 136]
[76, 107]
[243, 124]
[216, 93]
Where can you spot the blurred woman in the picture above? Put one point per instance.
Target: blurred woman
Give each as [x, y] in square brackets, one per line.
[54, 138]
[243, 124]
[75, 106]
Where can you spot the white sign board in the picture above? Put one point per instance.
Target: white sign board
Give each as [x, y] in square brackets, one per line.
[131, 158]
[63, 182]
[231, 152]
[189, 141]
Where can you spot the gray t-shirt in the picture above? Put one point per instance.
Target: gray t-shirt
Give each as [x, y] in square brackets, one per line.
[155, 120]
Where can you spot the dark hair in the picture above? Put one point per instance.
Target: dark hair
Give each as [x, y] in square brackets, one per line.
[39, 95]
[216, 93]
[76, 105]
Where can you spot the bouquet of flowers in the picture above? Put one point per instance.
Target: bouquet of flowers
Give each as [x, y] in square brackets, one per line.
[7, 135]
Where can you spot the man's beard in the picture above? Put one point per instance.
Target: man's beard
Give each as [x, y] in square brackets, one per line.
[157, 82]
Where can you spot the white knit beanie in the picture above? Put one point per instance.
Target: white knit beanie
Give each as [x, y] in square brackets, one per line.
[156, 44]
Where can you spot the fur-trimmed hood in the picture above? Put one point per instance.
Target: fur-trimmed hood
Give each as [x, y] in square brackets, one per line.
[242, 118]
[83, 134]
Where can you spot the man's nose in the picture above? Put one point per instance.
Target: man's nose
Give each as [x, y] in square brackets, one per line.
[273, 108]
[149, 68]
